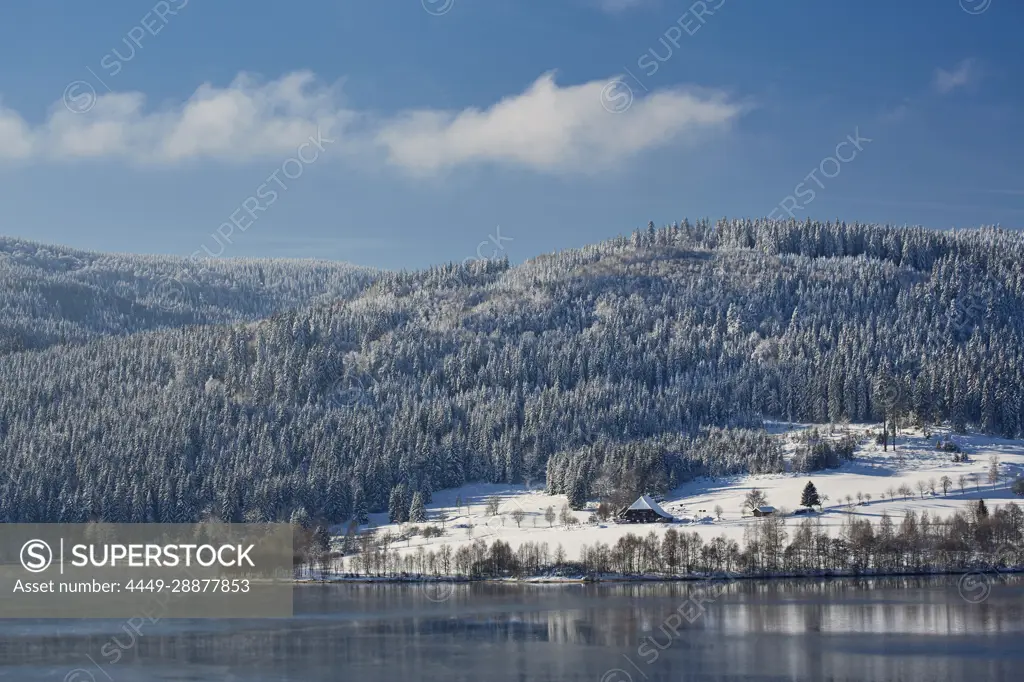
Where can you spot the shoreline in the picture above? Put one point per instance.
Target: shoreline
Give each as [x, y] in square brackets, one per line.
[629, 579]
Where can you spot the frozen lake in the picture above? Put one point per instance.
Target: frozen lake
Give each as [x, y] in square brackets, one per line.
[905, 629]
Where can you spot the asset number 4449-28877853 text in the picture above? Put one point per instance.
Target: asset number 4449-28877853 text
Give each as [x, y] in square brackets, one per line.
[189, 585]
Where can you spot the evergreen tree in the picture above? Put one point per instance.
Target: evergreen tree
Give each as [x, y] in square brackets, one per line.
[578, 495]
[809, 498]
[360, 513]
[417, 512]
[300, 518]
[398, 504]
[321, 540]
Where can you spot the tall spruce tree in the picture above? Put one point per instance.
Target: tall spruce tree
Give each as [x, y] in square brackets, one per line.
[578, 495]
[398, 504]
[809, 498]
[417, 511]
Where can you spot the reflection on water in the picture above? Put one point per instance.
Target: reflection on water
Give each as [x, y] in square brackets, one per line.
[890, 629]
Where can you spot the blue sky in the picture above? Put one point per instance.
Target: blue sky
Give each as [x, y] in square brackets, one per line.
[449, 126]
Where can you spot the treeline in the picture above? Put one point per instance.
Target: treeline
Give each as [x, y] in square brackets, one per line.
[619, 472]
[968, 540]
[634, 364]
[815, 453]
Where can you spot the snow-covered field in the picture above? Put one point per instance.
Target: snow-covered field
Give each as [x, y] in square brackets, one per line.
[873, 472]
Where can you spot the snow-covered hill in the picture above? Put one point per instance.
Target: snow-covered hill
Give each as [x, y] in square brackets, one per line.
[633, 364]
[51, 295]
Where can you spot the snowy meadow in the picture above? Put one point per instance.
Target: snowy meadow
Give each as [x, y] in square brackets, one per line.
[929, 477]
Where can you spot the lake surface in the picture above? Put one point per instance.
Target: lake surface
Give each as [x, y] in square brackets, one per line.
[905, 629]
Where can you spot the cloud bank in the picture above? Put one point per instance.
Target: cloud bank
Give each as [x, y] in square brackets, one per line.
[549, 128]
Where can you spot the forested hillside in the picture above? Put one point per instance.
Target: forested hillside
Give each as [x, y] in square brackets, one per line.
[56, 295]
[640, 363]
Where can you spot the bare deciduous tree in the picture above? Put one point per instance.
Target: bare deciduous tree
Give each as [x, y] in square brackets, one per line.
[754, 498]
[993, 470]
[565, 517]
[493, 505]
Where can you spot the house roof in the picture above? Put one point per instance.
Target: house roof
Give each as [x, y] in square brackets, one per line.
[764, 509]
[645, 502]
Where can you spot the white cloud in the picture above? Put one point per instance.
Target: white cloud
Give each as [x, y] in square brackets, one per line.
[15, 136]
[962, 74]
[245, 120]
[546, 128]
[556, 129]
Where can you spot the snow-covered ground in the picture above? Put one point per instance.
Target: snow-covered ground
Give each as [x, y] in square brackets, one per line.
[873, 472]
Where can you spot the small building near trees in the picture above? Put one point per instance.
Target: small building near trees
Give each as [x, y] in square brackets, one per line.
[644, 510]
[764, 510]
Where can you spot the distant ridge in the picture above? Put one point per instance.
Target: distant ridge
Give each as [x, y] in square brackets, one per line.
[56, 295]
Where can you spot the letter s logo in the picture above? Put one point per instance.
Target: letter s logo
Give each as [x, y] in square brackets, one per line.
[36, 556]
